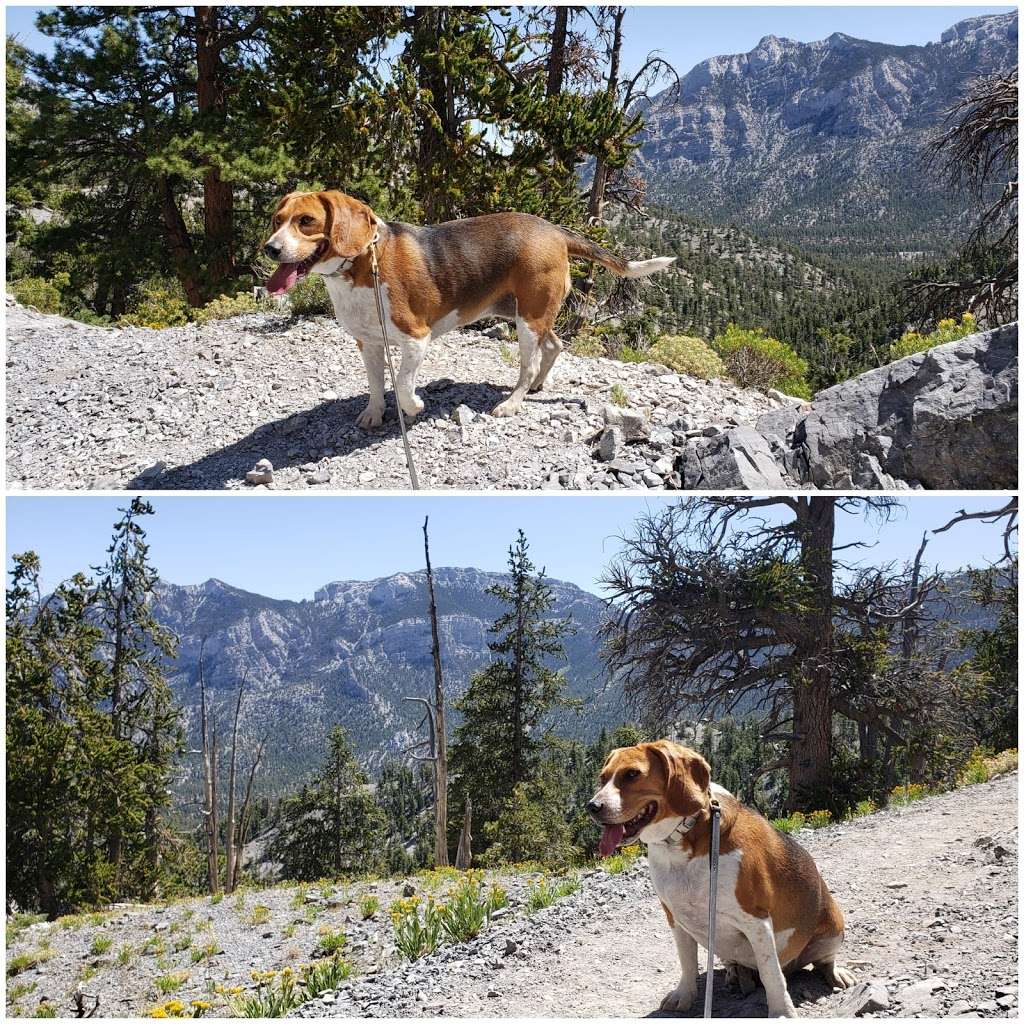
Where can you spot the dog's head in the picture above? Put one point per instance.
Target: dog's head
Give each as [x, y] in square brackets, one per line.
[309, 229]
[644, 791]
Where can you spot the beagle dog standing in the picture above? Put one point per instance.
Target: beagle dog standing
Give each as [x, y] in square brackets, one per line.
[434, 279]
[774, 912]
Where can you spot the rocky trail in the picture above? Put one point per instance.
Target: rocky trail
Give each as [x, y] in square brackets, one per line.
[929, 892]
[202, 406]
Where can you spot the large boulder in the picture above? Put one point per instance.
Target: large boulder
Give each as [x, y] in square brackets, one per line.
[944, 418]
[737, 459]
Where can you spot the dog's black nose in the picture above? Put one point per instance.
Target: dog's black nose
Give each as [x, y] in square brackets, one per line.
[593, 806]
[273, 251]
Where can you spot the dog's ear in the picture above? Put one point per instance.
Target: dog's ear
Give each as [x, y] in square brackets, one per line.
[688, 776]
[350, 224]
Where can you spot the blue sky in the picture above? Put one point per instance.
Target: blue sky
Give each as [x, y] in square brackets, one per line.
[687, 35]
[287, 547]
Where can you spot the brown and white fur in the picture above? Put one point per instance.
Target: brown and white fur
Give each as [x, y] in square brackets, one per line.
[509, 265]
[774, 914]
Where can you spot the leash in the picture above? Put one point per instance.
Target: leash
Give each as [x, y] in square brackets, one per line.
[375, 270]
[709, 977]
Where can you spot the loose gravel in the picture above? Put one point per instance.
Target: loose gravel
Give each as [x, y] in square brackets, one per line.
[200, 406]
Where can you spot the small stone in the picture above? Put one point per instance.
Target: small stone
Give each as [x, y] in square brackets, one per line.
[151, 471]
[366, 476]
[322, 476]
[867, 997]
[510, 946]
[612, 441]
[463, 415]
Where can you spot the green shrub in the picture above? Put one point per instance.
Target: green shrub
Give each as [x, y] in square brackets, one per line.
[100, 945]
[619, 862]
[619, 396]
[945, 331]
[416, 933]
[325, 975]
[37, 292]
[259, 915]
[864, 807]
[45, 1009]
[754, 360]
[687, 355]
[17, 923]
[275, 995]
[160, 302]
[226, 306]
[368, 906]
[903, 795]
[628, 354]
[791, 823]
[309, 297]
[168, 983]
[468, 908]
[25, 961]
[587, 344]
[819, 819]
[540, 894]
[332, 942]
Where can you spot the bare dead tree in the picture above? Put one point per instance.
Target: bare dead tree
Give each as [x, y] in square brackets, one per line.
[976, 153]
[464, 854]
[440, 744]
[1006, 514]
[209, 777]
[243, 817]
[231, 849]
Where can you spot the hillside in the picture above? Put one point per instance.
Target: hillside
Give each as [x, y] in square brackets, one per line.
[351, 653]
[920, 898]
[820, 143]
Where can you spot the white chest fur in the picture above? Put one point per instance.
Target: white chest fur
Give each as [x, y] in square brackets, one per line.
[683, 884]
[356, 310]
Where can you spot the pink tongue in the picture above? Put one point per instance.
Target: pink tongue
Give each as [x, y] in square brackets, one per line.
[283, 278]
[611, 836]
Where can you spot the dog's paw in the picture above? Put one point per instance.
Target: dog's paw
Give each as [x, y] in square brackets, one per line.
[506, 408]
[371, 416]
[679, 1000]
[412, 405]
[840, 977]
[741, 977]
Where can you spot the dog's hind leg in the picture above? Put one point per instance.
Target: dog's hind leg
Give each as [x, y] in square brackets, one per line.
[550, 347]
[529, 366]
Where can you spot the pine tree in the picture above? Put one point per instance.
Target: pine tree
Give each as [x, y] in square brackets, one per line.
[333, 825]
[500, 742]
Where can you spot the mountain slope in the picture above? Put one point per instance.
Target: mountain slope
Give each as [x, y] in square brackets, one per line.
[352, 653]
[820, 143]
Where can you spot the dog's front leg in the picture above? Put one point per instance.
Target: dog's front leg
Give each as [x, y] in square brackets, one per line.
[373, 360]
[413, 351]
[761, 936]
[681, 998]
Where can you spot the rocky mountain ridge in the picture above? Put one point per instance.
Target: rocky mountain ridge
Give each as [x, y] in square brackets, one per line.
[352, 652]
[821, 143]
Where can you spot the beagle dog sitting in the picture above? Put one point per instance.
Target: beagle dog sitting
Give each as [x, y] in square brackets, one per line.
[774, 912]
[434, 279]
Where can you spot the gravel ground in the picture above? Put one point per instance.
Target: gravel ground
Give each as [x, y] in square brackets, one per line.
[929, 893]
[198, 407]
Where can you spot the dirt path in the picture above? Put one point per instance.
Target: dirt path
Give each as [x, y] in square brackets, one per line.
[929, 892]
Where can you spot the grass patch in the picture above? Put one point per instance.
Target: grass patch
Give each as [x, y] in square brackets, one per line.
[205, 952]
[19, 989]
[154, 946]
[125, 955]
[331, 942]
[168, 983]
[541, 893]
[182, 942]
[17, 923]
[259, 915]
[368, 906]
[100, 944]
[325, 975]
[88, 972]
[288, 931]
[71, 922]
[618, 396]
[45, 1009]
[299, 897]
[908, 794]
[216, 898]
[509, 355]
[277, 992]
[26, 961]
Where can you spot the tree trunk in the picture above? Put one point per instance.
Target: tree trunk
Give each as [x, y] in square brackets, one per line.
[440, 739]
[595, 205]
[243, 818]
[518, 769]
[229, 867]
[810, 772]
[178, 242]
[218, 199]
[464, 855]
[556, 57]
[428, 26]
[209, 768]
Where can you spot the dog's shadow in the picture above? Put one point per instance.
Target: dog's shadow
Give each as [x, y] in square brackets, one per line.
[327, 430]
[804, 987]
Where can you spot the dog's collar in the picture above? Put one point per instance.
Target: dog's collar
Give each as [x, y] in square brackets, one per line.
[672, 839]
[348, 262]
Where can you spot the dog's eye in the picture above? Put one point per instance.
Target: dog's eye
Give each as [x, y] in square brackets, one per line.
[630, 774]
[306, 220]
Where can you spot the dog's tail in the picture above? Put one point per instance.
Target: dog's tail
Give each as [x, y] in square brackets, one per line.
[588, 250]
